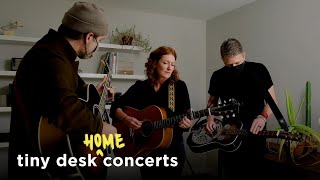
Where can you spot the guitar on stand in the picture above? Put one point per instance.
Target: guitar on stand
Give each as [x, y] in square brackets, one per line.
[53, 142]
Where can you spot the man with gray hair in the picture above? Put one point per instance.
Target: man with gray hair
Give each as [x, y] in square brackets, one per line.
[247, 82]
[47, 88]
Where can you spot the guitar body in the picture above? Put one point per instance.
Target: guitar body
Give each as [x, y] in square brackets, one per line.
[141, 142]
[200, 141]
[156, 131]
[228, 136]
[54, 143]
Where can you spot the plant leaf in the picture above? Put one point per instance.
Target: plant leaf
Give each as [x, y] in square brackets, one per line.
[306, 129]
[308, 104]
[282, 141]
[297, 115]
[290, 108]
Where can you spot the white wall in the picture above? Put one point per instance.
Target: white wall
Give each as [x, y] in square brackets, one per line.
[186, 36]
[283, 35]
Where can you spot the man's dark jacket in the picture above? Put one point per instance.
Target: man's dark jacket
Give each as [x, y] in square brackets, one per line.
[48, 83]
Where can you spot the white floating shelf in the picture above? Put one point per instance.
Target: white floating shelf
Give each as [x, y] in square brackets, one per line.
[7, 73]
[117, 46]
[5, 109]
[87, 75]
[32, 40]
[4, 145]
[115, 76]
[120, 76]
[8, 109]
[18, 40]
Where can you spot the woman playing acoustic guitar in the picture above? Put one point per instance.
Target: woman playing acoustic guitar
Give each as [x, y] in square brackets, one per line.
[138, 110]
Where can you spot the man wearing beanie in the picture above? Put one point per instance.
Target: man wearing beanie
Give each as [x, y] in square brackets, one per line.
[47, 89]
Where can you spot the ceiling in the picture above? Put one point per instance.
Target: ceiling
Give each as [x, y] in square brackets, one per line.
[194, 9]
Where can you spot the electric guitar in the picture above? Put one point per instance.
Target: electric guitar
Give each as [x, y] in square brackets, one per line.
[53, 142]
[156, 130]
[228, 136]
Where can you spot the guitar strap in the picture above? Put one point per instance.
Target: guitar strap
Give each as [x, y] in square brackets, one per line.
[171, 97]
[171, 104]
[276, 111]
[268, 98]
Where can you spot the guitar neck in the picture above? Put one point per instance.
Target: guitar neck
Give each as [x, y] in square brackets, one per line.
[265, 133]
[104, 94]
[217, 111]
[166, 123]
[174, 120]
[244, 132]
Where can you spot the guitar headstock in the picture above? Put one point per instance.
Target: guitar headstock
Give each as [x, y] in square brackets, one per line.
[227, 108]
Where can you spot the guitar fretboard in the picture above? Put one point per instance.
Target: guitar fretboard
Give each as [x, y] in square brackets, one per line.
[104, 95]
[265, 133]
[217, 111]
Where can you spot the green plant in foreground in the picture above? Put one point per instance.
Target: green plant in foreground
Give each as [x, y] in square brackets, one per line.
[312, 137]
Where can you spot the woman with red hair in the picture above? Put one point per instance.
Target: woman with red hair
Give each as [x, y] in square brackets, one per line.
[162, 80]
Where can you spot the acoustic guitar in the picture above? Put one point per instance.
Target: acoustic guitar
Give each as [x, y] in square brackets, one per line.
[228, 136]
[54, 143]
[157, 130]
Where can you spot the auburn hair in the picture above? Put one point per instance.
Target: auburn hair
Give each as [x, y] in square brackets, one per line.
[153, 60]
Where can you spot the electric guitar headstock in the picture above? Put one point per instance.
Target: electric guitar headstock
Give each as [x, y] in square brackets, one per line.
[227, 108]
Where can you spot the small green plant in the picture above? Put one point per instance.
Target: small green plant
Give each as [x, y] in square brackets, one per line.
[312, 137]
[131, 37]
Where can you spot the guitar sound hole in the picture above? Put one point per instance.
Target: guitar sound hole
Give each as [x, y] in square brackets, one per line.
[218, 130]
[202, 138]
[146, 128]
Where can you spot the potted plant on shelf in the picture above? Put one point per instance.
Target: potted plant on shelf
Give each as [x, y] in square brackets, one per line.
[306, 148]
[131, 37]
[10, 29]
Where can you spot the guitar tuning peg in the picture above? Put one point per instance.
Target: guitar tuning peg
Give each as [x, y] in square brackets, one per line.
[219, 101]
